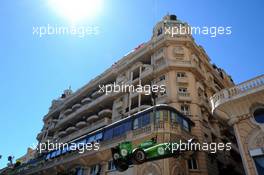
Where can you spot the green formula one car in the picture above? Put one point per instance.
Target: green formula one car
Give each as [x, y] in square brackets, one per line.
[124, 154]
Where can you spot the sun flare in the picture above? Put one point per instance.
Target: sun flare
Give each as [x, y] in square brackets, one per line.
[77, 10]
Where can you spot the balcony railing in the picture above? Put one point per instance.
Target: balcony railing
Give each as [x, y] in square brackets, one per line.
[76, 106]
[86, 100]
[67, 111]
[77, 113]
[148, 70]
[182, 80]
[184, 96]
[237, 91]
[143, 130]
[186, 113]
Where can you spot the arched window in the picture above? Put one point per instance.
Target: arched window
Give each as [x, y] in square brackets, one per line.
[259, 115]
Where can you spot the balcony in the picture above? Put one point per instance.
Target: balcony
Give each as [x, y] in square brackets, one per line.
[67, 111]
[134, 94]
[99, 123]
[160, 64]
[105, 113]
[86, 100]
[180, 63]
[71, 129]
[121, 79]
[244, 89]
[137, 109]
[89, 126]
[102, 100]
[96, 94]
[53, 124]
[76, 106]
[39, 136]
[146, 70]
[216, 87]
[119, 104]
[92, 118]
[182, 80]
[81, 124]
[184, 96]
[62, 133]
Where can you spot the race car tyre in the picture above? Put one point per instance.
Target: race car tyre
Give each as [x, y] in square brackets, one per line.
[121, 165]
[139, 156]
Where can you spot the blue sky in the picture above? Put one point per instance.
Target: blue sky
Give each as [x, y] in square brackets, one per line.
[34, 70]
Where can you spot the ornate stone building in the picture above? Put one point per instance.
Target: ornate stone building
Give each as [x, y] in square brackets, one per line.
[242, 106]
[190, 79]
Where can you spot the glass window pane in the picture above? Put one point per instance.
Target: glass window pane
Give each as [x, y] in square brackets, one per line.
[116, 131]
[173, 117]
[108, 134]
[91, 139]
[58, 152]
[194, 164]
[259, 115]
[128, 126]
[99, 136]
[259, 162]
[157, 116]
[121, 129]
[189, 164]
[145, 120]
[185, 124]
[140, 122]
[83, 141]
[179, 119]
[48, 156]
[64, 150]
[135, 123]
[53, 154]
[165, 115]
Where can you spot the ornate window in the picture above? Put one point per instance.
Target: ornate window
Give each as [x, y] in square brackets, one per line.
[181, 74]
[185, 109]
[192, 164]
[159, 31]
[259, 115]
[259, 162]
[178, 51]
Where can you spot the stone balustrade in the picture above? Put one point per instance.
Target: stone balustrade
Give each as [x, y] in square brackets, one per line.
[237, 91]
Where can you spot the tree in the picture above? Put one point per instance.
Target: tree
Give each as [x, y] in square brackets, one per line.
[10, 159]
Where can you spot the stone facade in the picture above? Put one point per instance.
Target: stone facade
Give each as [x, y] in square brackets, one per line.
[190, 79]
[236, 106]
